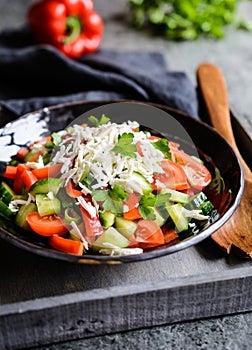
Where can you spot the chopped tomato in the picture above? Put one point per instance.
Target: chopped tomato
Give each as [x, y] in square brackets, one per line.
[169, 234]
[47, 171]
[93, 226]
[148, 234]
[66, 245]
[71, 191]
[18, 181]
[131, 211]
[28, 178]
[174, 177]
[47, 225]
[197, 174]
[10, 172]
[22, 152]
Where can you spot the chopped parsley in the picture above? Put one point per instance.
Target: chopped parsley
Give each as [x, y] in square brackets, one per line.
[94, 121]
[149, 202]
[112, 199]
[125, 146]
[163, 146]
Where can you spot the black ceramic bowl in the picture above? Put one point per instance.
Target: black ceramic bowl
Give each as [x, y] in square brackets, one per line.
[192, 134]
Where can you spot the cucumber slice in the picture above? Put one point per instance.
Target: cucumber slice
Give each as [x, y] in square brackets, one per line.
[126, 227]
[47, 206]
[176, 196]
[206, 207]
[137, 183]
[176, 214]
[47, 185]
[72, 216]
[107, 219]
[6, 193]
[196, 201]
[112, 236]
[5, 210]
[159, 219]
[24, 210]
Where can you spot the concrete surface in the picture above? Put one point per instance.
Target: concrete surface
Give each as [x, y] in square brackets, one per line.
[234, 56]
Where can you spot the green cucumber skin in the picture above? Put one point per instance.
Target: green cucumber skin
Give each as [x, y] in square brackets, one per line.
[107, 219]
[111, 235]
[6, 193]
[47, 206]
[24, 210]
[5, 210]
[126, 227]
[46, 185]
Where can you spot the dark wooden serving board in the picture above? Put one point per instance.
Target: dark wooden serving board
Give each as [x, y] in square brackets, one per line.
[44, 300]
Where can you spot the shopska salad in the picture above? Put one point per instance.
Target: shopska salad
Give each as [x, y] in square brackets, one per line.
[114, 189]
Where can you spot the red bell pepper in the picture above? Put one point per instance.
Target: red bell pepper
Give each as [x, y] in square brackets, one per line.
[72, 26]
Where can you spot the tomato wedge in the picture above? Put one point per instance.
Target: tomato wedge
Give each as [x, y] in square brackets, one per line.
[10, 172]
[66, 245]
[197, 174]
[93, 226]
[131, 212]
[46, 225]
[71, 191]
[148, 234]
[174, 177]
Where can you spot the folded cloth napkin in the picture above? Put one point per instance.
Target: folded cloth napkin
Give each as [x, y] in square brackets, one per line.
[36, 76]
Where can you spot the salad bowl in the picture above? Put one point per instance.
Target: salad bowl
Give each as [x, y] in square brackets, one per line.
[196, 137]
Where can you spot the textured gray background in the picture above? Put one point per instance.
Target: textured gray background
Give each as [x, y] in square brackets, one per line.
[234, 57]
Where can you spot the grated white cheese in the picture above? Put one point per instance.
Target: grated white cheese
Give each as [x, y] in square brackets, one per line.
[87, 206]
[113, 250]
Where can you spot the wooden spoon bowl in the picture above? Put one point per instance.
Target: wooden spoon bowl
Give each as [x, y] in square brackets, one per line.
[237, 231]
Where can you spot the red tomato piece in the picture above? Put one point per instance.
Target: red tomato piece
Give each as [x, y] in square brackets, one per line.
[22, 152]
[148, 234]
[10, 172]
[47, 225]
[93, 226]
[66, 245]
[18, 181]
[28, 178]
[71, 191]
[174, 176]
[197, 174]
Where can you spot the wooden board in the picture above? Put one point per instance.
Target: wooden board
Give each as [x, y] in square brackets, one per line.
[44, 301]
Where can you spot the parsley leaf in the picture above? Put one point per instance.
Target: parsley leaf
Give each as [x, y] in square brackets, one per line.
[112, 199]
[94, 121]
[163, 146]
[125, 146]
[149, 202]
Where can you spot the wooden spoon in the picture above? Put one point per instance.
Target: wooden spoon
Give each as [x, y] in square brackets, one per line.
[237, 231]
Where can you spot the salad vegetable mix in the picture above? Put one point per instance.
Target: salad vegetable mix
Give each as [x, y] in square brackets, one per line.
[102, 187]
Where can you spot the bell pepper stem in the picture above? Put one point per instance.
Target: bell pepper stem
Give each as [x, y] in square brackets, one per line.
[73, 29]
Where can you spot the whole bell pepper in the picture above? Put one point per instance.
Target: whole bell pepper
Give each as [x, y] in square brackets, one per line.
[72, 26]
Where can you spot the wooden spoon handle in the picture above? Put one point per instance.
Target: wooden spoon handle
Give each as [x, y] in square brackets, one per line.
[213, 88]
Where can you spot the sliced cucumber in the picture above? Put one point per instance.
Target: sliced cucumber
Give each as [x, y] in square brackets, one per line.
[47, 185]
[112, 236]
[107, 219]
[206, 207]
[126, 227]
[4, 209]
[72, 216]
[46, 205]
[24, 210]
[176, 213]
[6, 193]
[136, 183]
[176, 196]
[196, 201]
[159, 219]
